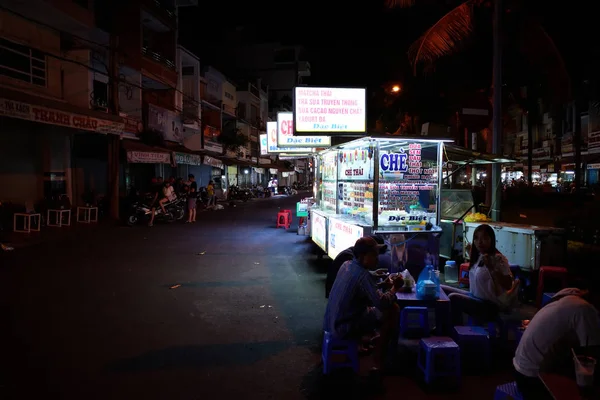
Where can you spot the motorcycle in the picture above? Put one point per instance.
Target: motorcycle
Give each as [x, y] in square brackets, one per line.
[141, 211]
[236, 193]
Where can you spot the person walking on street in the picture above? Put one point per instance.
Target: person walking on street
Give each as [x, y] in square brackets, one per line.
[191, 200]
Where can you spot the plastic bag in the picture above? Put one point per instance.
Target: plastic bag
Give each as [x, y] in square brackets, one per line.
[428, 285]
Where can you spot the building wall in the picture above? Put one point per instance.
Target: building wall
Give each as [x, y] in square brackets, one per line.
[77, 78]
[37, 37]
[130, 95]
[230, 100]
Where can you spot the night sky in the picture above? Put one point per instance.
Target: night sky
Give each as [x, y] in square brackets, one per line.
[363, 44]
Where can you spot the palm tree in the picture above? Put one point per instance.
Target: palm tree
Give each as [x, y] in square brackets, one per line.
[450, 33]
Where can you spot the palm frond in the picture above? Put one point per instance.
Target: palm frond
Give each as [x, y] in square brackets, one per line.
[444, 37]
[542, 53]
[399, 3]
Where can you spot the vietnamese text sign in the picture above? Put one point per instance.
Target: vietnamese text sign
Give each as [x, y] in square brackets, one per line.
[286, 138]
[341, 236]
[167, 122]
[188, 159]
[147, 157]
[263, 145]
[329, 110]
[272, 141]
[355, 164]
[30, 112]
[319, 230]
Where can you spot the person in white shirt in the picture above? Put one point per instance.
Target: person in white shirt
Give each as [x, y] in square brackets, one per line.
[569, 320]
[492, 287]
[168, 194]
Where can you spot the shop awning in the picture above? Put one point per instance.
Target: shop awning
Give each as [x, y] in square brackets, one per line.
[138, 152]
[459, 155]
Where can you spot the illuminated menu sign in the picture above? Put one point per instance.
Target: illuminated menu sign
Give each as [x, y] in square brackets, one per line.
[286, 138]
[329, 110]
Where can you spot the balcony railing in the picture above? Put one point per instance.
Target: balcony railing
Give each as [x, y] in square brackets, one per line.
[159, 58]
[229, 109]
[190, 112]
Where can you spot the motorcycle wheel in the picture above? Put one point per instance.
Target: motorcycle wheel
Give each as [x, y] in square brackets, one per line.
[169, 217]
[179, 214]
[132, 220]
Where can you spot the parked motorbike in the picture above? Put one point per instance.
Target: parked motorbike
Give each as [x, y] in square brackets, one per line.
[142, 212]
[236, 193]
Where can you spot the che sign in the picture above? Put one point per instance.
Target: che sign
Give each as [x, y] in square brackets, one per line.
[263, 145]
[342, 235]
[272, 141]
[319, 230]
[329, 110]
[285, 135]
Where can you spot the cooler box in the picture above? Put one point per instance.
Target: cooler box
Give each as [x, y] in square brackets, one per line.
[528, 246]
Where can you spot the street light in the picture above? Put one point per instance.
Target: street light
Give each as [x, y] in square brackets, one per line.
[395, 88]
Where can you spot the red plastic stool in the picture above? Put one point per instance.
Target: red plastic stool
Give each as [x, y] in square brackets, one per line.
[463, 274]
[301, 221]
[289, 212]
[549, 272]
[283, 220]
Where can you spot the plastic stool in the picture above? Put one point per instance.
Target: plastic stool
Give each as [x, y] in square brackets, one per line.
[508, 391]
[439, 357]
[289, 213]
[546, 297]
[414, 322]
[549, 272]
[473, 342]
[301, 221]
[335, 347]
[463, 274]
[283, 219]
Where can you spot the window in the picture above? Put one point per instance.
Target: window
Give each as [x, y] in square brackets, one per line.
[99, 97]
[229, 96]
[22, 63]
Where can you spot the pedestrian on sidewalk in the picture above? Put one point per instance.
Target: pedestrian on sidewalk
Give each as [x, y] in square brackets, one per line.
[210, 191]
[191, 200]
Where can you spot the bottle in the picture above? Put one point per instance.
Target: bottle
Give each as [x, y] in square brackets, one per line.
[429, 284]
[450, 272]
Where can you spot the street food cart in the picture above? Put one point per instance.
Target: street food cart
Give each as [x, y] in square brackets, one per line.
[380, 185]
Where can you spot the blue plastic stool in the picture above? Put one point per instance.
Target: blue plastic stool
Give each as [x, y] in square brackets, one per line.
[473, 342]
[336, 347]
[414, 322]
[439, 357]
[508, 391]
[546, 297]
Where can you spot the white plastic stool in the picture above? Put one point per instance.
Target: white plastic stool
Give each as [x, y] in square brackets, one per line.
[84, 214]
[27, 222]
[59, 217]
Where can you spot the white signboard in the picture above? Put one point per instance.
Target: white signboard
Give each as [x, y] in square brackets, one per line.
[342, 235]
[272, 141]
[330, 110]
[319, 230]
[355, 164]
[263, 145]
[285, 134]
[146, 157]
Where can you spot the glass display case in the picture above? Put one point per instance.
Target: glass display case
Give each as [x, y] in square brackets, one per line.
[455, 204]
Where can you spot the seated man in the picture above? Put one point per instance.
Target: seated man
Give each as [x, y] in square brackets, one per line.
[347, 255]
[568, 321]
[350, 312]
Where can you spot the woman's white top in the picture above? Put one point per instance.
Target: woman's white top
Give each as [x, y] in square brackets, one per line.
[482, 285]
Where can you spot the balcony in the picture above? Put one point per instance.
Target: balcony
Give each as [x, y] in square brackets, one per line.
[229, 110]
[159, 66]
[209, 97]
[191, 112]
[242, 112]
[164, 10]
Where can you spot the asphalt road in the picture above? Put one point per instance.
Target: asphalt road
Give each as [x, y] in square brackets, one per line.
[229, 306]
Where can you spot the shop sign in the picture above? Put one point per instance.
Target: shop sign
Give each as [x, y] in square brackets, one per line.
[147, 157]
[285, 134]
[329, 110]
[167, 122]
[213, 162]
[264, 161]
[341, 236]
[29, 112]
[258, 170]
[253, 160]
[189, 159]
[408, 164]
[355, 164]
[319, 230]
[133, 126]
[272, 147]
[593, 166]
[263, 145]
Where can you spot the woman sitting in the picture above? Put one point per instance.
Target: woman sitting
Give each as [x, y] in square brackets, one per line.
[491, 284]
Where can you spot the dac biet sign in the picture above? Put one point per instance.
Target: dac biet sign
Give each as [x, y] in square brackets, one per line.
[263, 145]
[329, 110]
[272, 132]
[286, 138]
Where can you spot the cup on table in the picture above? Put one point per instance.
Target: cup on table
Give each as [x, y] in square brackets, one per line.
[584, 370]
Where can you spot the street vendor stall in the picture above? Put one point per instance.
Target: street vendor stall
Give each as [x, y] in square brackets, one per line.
[383, 185]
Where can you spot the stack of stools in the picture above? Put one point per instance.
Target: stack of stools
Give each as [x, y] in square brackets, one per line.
[284, 219]
[439, 357]
[414, 322]
[549, 272]
[346, 350]
[474, 343]
[508, 391]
